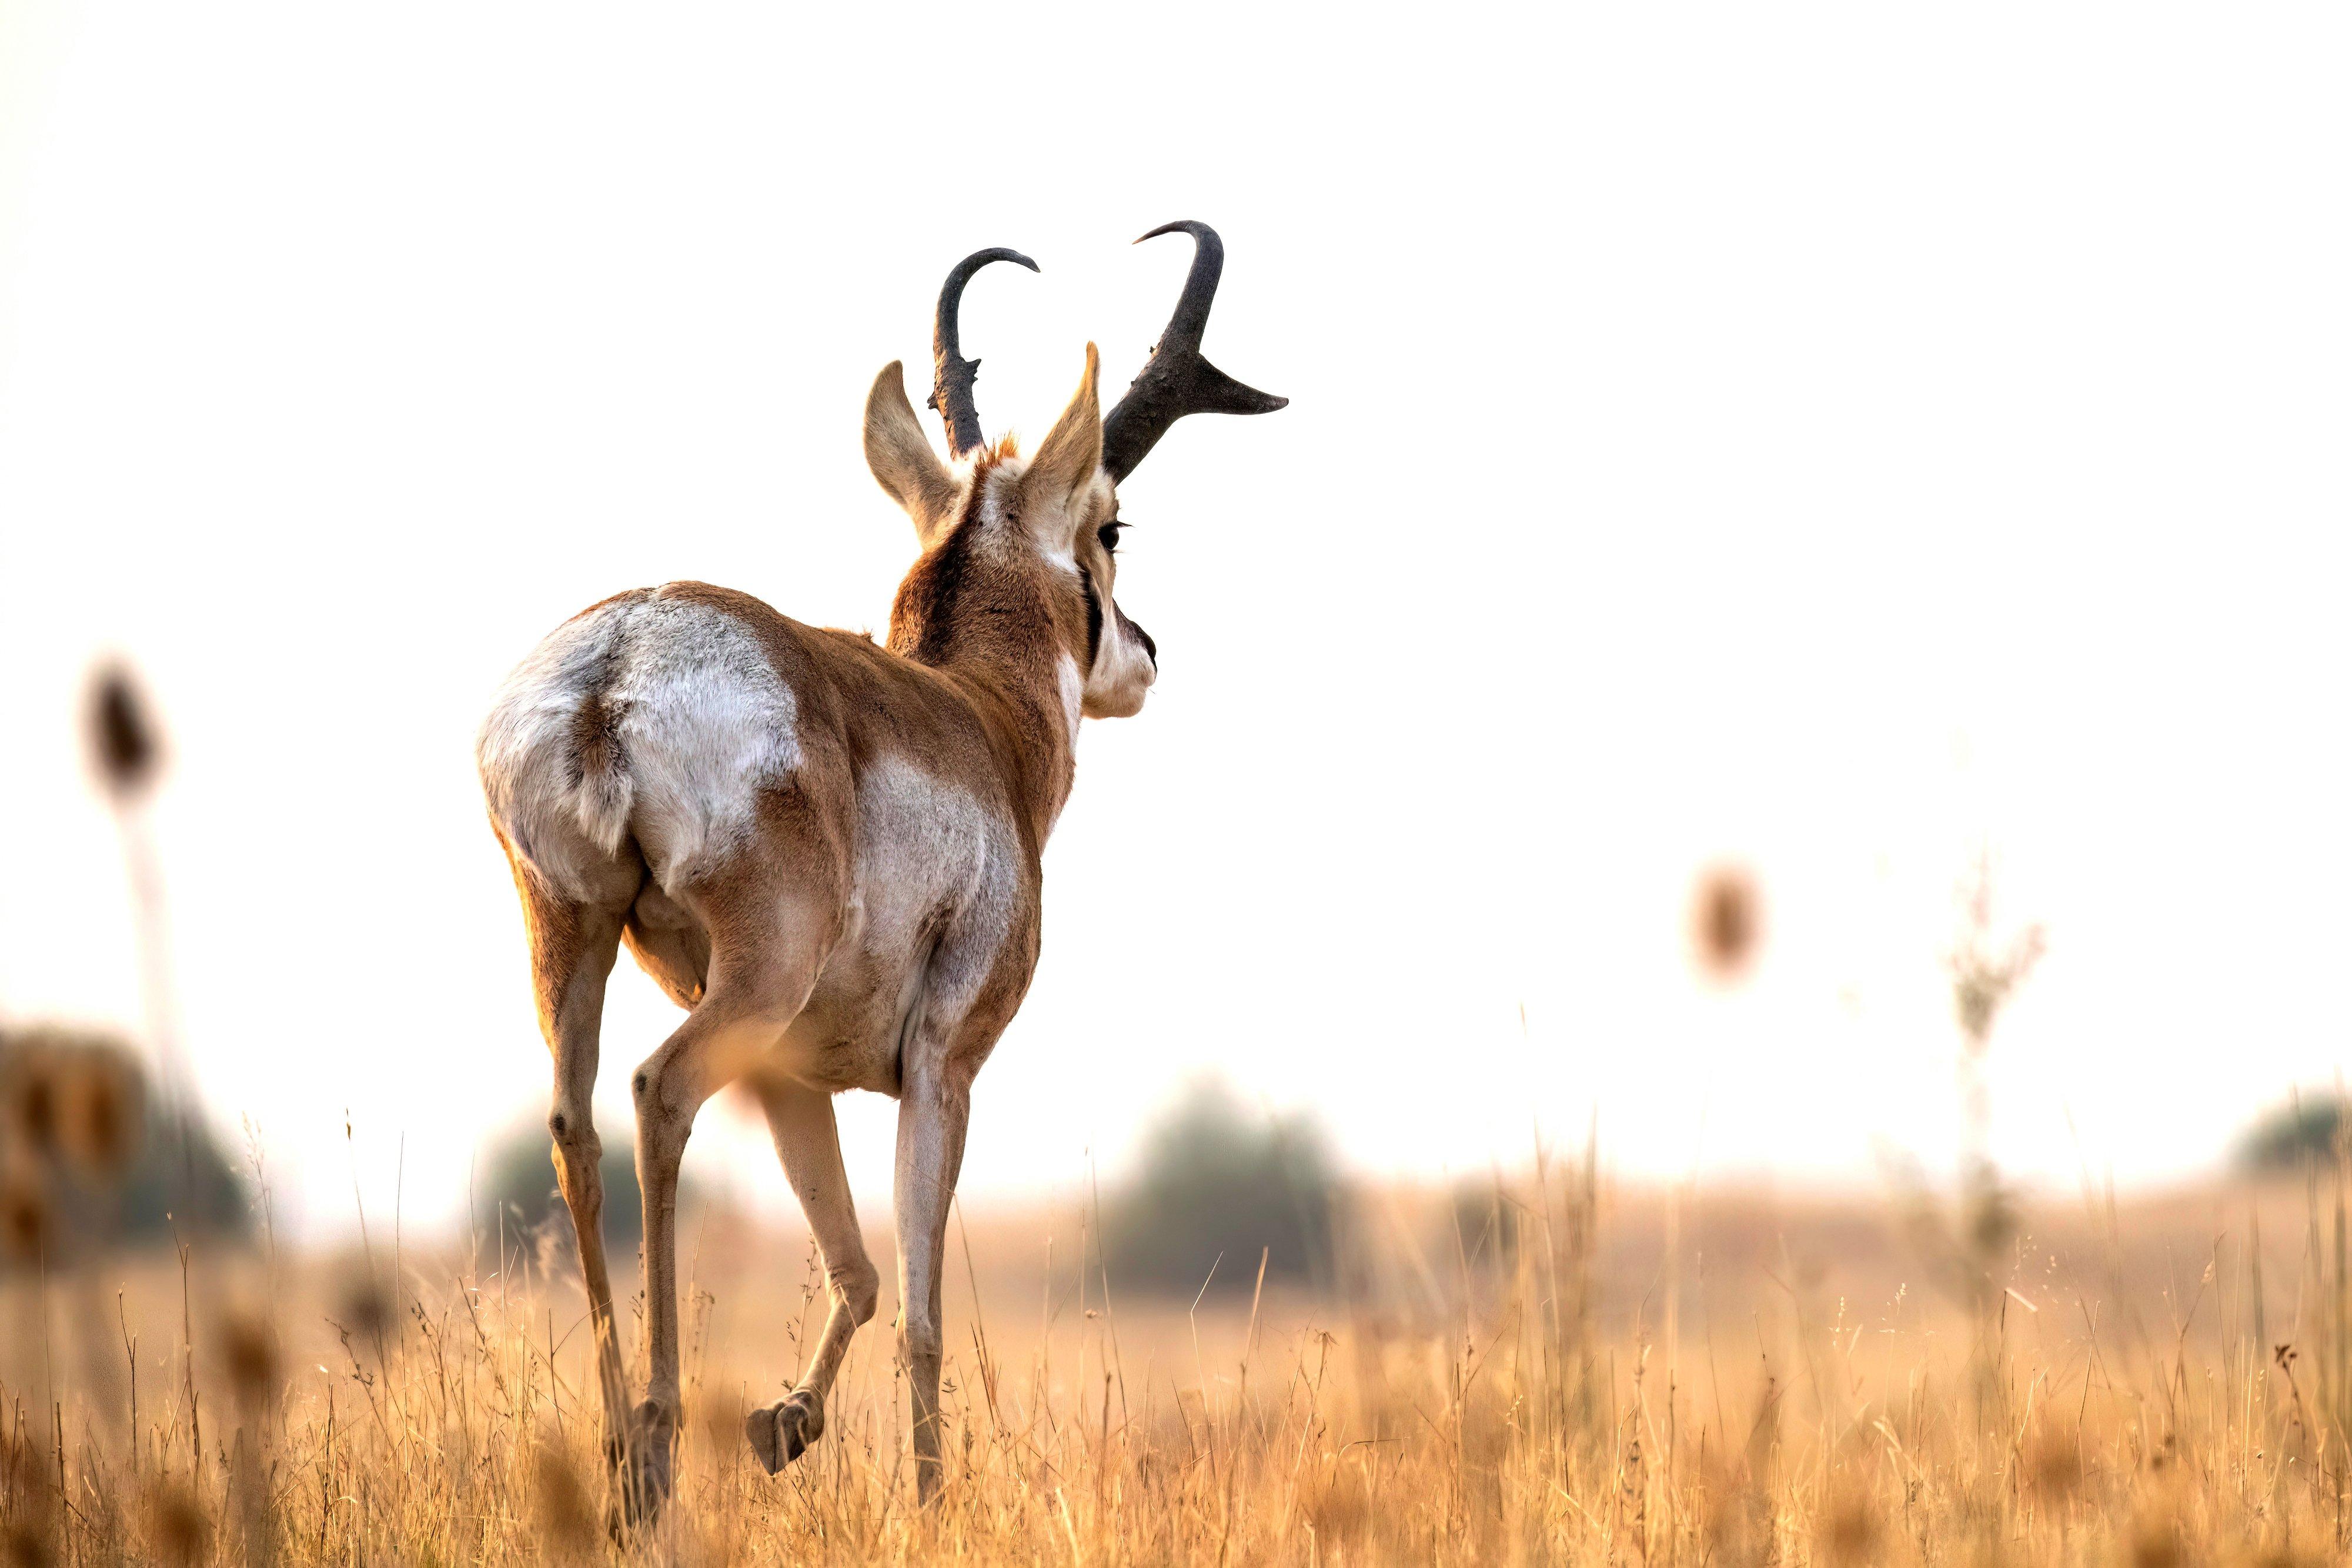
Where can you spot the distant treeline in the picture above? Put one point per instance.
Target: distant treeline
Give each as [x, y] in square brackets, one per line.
[2307, 1127]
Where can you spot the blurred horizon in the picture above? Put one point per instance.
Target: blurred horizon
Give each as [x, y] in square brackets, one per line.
[1830, 444]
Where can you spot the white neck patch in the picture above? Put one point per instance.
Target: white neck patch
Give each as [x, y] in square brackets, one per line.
[1074, 694]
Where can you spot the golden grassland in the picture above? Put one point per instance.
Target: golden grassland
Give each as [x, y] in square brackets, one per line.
[1550, 1371]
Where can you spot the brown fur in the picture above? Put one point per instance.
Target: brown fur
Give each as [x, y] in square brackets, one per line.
[970, 693]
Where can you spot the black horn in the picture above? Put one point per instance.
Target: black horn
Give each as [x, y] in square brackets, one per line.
[951, 373]
[1177, 381]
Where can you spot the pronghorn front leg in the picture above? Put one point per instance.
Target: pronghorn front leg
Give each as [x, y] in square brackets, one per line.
[809, 1143]
[934, 1106]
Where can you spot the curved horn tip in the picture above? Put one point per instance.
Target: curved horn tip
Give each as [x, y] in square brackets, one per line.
[952, 374]
[1192, 226]
[980, 258]
[962, 274]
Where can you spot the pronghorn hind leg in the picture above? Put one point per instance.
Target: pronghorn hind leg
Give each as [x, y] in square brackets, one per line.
[808, 1142]
[767, 947]
[572, 945]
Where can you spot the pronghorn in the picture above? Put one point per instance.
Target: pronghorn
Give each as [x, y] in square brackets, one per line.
[827, 851]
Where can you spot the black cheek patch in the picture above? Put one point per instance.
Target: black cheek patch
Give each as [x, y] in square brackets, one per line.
[1094, 614]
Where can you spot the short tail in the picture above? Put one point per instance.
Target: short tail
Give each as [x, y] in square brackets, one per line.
[606, 793]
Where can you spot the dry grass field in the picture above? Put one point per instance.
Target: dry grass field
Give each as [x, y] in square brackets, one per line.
[1545, 1368]
[1550, 1370]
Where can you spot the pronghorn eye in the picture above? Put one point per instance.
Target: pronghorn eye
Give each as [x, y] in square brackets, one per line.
[1109, 533]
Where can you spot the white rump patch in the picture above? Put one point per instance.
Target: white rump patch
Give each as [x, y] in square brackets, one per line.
[698, 723]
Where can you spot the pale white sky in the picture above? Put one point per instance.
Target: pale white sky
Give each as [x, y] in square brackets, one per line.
[1828, 438]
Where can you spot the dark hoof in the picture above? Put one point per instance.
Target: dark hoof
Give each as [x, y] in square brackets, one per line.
[782, 1432]
[641, 1468]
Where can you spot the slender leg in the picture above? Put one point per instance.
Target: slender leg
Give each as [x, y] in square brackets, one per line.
[809, 1143]
[934, 1105]
[571, 948]
[754, 993]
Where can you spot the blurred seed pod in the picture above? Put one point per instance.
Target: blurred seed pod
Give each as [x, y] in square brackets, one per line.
[1849, 1531]
[177, 1528]
[30, 1092]
[123, 741]
[27, 1213]
[2156, 1544]
[1727, 924]
[30, 1529]
[249, 1353]
[363, 1305]
[103, 1127]
[29, 1541]
[2057, 1465]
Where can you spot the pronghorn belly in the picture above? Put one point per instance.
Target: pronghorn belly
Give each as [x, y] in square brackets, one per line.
[651, 719]
[939, 880]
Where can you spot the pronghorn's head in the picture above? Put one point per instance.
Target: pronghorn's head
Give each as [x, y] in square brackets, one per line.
[1018, 549]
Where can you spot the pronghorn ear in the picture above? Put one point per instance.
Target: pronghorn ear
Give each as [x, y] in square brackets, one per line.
[1072, 452]
[901, 457]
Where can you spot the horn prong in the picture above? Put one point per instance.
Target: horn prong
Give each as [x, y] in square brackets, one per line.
[1177, 381]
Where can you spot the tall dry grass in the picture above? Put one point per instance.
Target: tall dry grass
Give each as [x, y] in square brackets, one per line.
[1547, 1371]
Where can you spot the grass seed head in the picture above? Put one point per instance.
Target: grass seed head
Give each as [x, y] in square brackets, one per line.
[1849, 1533]
[2057, 1465]
[2156, 1544]
[29, 1080]
[123, 742]
[1727, 924]
[27, 1219]
[177, 1527]
[250, 1352]
[104, 1126]
[29, 1525]
[365, 1305]
[29, 1543]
